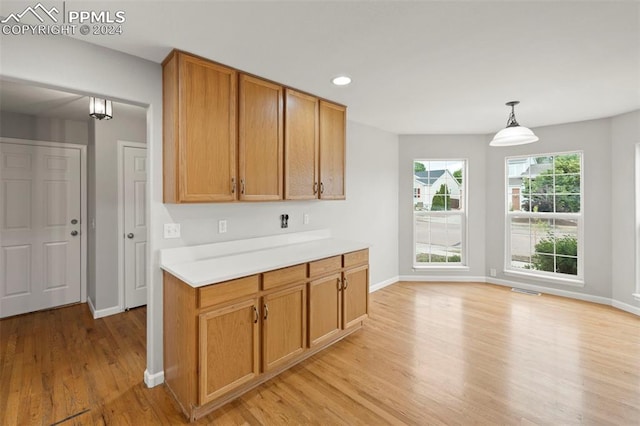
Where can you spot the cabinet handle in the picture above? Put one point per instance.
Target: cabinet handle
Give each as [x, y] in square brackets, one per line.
[322, 187]
[266, 312]
[242, 186]
[315, 188]
[339, 284]
[346, 283]
[257, 316]
[233, 185]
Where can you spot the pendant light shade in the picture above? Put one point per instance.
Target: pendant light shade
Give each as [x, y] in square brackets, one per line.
[100, 108]
[513, 134]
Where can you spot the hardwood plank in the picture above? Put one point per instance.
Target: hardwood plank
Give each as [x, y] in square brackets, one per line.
[430, 353]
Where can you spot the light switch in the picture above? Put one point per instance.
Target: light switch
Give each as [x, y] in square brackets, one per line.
[172, 230]
[305, 219]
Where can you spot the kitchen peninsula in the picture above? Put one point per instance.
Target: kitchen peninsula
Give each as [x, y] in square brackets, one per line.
[238, 313]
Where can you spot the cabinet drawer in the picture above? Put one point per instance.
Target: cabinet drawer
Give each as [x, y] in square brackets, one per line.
[219, 293]
[325, 266]
[356, 258]
[284, 276]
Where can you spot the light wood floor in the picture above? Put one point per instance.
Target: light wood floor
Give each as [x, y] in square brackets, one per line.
[442, 353]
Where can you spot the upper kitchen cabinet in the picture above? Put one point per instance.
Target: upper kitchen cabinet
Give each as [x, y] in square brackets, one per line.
[260, 140]
[332, 150]
[199, 130]
[301, 146]
[232, 136]
[315, 143]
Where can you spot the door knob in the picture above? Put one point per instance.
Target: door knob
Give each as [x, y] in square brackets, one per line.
[74, 233]
[129, 235]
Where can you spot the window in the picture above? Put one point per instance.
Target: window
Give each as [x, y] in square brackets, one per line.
[544, 215]
[439, 216]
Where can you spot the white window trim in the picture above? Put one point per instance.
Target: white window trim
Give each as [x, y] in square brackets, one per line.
[578, 280]
[636, 295]
[463, 265]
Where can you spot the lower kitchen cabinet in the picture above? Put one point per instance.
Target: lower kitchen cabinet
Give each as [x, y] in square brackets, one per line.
[340, 300]
[221, 340]
[324, 308]
[284, 325]
[355, 296]
[229, 348]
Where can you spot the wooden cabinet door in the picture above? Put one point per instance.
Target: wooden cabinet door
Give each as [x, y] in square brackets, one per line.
[355, 295]
[260, 139]
[301, 146]
[325, 308]
[332, 150]
[207, 131]
[284, 325]
[229, 348]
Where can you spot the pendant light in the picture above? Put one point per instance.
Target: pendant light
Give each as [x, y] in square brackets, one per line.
[513, 134]
[100, 108]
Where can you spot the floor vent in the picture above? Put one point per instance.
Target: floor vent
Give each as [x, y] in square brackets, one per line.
[525, 291]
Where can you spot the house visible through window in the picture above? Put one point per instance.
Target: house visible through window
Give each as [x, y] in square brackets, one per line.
[544, 215]
[439, 216]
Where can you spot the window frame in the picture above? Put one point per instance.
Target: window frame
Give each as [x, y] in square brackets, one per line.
[572, 280]
[462, 213]
[636, 294]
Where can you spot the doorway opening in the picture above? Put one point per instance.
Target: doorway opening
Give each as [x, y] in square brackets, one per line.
[61, 119]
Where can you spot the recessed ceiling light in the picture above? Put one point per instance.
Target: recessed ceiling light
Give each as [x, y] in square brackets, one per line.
[341, 80]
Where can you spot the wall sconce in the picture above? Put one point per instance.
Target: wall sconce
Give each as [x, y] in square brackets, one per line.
[100, 108]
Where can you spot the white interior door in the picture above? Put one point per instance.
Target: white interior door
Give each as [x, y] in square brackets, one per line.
[39, 227]
[135, 226]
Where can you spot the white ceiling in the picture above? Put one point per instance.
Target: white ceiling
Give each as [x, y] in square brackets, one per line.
[45, 102]
[417, 67]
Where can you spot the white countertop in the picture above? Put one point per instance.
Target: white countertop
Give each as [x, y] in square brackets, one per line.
[218, 262]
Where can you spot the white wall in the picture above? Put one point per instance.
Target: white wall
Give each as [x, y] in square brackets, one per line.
[469, 147]
[25, 126]
[625, 138]
[594, 139]
[103, 239]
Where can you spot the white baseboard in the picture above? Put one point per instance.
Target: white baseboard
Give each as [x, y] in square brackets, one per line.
[549, 290]
[625, 307]
[91, 307]
[442, 278]
[99, 313]
[153, 380]
[383, 284]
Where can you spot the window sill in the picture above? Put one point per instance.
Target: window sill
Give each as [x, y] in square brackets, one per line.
[440, 268]
[565, 281]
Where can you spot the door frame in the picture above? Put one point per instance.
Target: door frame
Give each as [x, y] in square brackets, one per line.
[121, 145]
[83, 200]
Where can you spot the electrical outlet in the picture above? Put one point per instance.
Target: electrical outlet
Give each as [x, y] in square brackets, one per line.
[492, 272]
[305, 219]
[284, 220]
[172, 230]
[222, 226]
